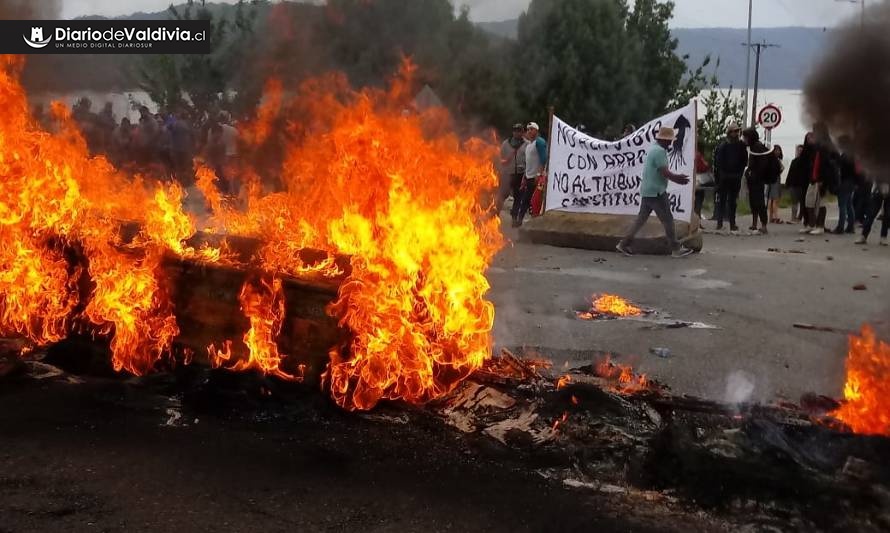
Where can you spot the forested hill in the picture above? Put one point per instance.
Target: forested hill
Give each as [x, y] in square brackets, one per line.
[785, 67]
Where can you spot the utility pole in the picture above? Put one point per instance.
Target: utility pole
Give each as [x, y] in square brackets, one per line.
[748, 64]
[759, 48]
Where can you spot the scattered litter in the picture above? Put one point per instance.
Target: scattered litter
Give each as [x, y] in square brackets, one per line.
[523, 423]
[800, 240]
[829, 258]
[601, 487]
[401, 419]
[827, 329]
[664, 353]
[782, 251]
[860, 287]
[174, 417]
[38, 370]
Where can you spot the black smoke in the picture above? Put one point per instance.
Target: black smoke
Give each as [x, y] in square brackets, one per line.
[849, 90]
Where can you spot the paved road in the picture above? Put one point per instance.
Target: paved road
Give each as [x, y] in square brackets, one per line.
[753, 295]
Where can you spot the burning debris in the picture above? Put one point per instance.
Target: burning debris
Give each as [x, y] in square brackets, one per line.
[399, 195]
[612, 307]
[866, 406]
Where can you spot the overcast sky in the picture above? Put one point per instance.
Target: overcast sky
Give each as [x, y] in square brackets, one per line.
[689, 13]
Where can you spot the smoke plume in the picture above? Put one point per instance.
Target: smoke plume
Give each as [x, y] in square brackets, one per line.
[849, 88]
[30, 9]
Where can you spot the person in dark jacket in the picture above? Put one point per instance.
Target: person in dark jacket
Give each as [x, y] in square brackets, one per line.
[761, 167]
[848, 179]
[797, 182]
[774, 187]
[823, 178]
[730, 159]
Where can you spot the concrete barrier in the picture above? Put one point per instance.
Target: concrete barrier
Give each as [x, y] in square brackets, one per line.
[602, 232]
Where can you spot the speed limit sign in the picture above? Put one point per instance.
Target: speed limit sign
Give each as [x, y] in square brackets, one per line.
[770, 117]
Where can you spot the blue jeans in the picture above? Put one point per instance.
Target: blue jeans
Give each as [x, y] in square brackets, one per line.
[847, 215]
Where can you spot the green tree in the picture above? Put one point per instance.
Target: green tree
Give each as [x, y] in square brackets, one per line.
[470, 70]
[661, 69]
[597, 61]
[205, 78]
[578, 56]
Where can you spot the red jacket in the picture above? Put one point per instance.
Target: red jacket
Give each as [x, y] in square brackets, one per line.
[701, 165]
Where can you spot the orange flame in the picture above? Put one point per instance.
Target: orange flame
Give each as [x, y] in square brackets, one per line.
[396, 191]
[866, 408]
[264, 307]
[624, 376]
[610, 304]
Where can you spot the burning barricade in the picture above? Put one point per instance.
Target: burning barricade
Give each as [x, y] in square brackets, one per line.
[396, 194]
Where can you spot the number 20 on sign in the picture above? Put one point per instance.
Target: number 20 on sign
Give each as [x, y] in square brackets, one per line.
[770, 117]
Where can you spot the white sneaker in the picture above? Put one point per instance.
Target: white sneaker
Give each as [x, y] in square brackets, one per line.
[817, 231]
[805, 230]
[884, 241]
[861, 240]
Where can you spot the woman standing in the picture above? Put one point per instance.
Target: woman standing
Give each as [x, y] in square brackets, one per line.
[774, 189]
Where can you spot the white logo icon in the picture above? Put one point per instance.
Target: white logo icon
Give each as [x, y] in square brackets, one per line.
[37, 40]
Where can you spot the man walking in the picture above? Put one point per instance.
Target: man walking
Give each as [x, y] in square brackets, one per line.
[730, 160]
[535, 168]
[512, 169]
[653, 194]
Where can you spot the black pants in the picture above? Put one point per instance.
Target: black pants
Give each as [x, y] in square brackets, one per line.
[515, 190]
[522, 197]
[699, 201]
[756, 197]
[662, 207]
[877, 203]
[798, 203]
[728, 188]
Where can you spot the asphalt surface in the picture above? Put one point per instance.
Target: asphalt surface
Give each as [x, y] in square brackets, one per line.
[752, 294]
[117, 455]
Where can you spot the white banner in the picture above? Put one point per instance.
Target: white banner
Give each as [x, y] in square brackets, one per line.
[587, 175]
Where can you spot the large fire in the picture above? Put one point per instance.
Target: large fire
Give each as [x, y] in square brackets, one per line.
[866, 407]
[396, 191]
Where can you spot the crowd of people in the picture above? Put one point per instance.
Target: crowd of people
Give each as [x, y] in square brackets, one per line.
[820, 172]
[161, 144]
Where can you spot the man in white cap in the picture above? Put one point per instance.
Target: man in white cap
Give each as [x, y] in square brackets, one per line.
[535, 167]
[653, 194]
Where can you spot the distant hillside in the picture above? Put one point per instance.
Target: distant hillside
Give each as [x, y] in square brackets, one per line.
[785, 67]
[503, 28]
[781, 68]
